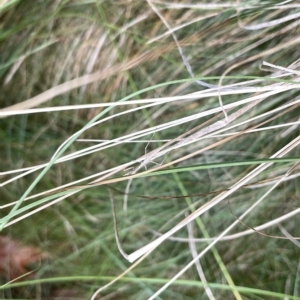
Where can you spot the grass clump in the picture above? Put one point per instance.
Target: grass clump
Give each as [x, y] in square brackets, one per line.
[152, 148]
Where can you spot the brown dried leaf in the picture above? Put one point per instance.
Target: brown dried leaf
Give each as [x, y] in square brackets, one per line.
[15, 258]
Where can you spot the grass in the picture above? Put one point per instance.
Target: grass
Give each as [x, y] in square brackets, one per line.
[183, 117]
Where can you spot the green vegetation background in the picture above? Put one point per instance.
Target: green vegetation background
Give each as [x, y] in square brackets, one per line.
[46, 43]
